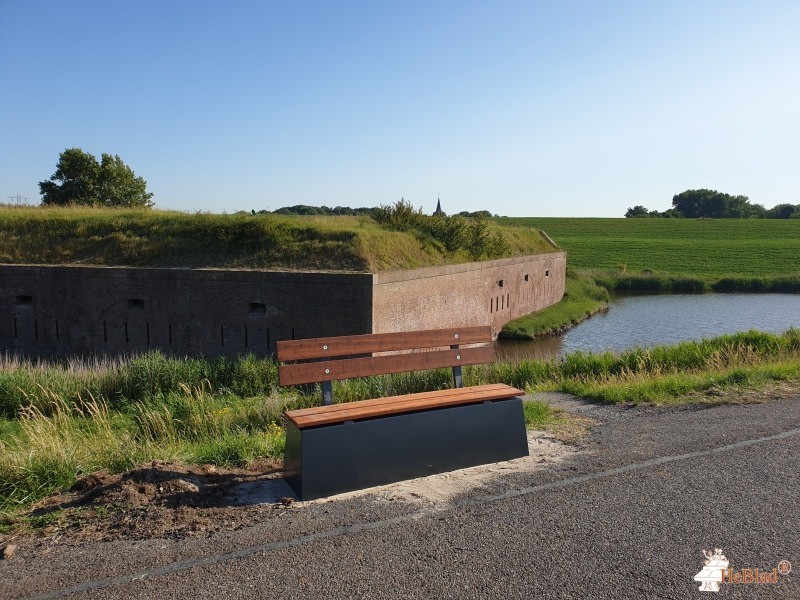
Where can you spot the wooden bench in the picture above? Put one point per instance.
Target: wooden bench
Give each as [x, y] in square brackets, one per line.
[335, 448]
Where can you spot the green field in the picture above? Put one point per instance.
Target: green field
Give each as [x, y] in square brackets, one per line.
[708, 248]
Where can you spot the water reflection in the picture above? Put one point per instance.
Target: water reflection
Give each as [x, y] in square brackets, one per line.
[643, 321]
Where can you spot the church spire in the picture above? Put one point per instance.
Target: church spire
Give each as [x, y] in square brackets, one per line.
[439, 210]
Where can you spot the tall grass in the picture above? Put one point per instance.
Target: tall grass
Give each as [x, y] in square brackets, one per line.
[119, 382]
[51, 449]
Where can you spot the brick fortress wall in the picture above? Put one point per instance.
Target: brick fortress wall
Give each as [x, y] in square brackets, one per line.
[95, 310]
[479, 293]
[60, 310]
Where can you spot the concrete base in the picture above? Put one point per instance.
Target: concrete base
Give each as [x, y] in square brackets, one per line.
[327, 460]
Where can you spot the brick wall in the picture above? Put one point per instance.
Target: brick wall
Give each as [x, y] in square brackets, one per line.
[481, 293]
[60, 310]
[48, 310]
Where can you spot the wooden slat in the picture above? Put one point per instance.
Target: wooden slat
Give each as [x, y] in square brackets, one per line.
[347, 345]
[380, 365]
[364, 409]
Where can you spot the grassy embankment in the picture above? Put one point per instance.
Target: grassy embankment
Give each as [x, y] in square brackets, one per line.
[663, 255]
[152, 238]
[62, 422]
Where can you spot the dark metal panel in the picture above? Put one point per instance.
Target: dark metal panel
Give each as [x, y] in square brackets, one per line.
[292, 459]
[356, 455]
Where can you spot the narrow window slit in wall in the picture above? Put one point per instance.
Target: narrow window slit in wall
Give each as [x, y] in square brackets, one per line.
[547, 273]
[268, 336]
[258, 308]
[147, 325]
[491, 306]
[527, 277]
[170, 333]
[105, 333]
[245, 336]
[508, 300]
[222, 335]
[127, 339]
[16, 333]
[292, 332]
[36, 329]
[502, 302]
[57, 336]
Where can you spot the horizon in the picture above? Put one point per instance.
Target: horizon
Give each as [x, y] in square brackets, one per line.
[574, 110]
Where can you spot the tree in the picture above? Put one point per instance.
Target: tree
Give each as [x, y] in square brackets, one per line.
[80, 180]
[782, 211]
[637, 212]
[713, 204]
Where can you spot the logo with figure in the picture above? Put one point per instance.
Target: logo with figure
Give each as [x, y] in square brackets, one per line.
[714, 566]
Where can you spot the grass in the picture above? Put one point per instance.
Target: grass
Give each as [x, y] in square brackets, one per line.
[154, 238]
[704, 248]
[228, 412]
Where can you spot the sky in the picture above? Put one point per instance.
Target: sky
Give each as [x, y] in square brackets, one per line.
[523, 108]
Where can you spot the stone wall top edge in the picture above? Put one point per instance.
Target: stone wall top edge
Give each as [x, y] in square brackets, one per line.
[395, 276]
[191, 273]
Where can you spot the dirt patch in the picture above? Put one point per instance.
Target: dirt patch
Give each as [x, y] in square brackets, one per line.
[160, 499]
[163, 500]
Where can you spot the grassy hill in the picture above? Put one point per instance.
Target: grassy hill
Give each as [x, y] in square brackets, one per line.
[157, 238]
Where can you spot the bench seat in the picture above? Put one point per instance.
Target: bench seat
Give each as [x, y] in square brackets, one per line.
[392, 405]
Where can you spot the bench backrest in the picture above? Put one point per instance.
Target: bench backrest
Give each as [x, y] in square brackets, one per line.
[321, 360]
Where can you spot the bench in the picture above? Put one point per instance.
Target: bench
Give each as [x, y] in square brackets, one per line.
[336, 448]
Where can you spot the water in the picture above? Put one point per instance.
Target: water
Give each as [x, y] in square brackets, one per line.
[643, 321]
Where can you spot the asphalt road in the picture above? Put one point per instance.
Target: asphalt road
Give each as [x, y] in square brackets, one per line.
[628, 516]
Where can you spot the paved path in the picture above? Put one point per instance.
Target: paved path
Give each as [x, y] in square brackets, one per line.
[626, 517]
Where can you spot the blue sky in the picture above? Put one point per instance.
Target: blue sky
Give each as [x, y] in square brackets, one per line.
[531, 108]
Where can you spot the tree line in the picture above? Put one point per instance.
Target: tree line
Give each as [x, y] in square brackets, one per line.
[711, 204]
[304, 210]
